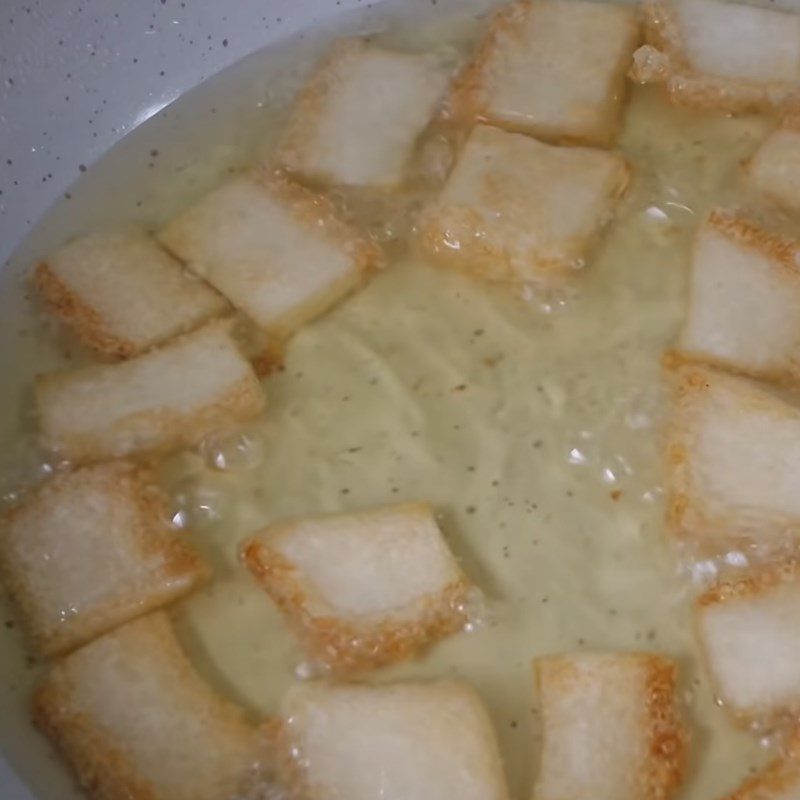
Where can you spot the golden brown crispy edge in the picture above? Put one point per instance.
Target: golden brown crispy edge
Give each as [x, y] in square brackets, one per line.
[784, 253]
[686, 382]
[300, 132]
[777, 779]
[667, 735]
[316, 210]
[155, 431]
[68, 307]
[101, 768]
[687, 87]
[466, 103]
[182, 569]
[479, 257]
[687, 379]
[98, 758]
[751, 584]
[349, 646]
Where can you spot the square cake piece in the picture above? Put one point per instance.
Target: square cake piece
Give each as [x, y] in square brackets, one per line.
[714, 54]
[357, 120]
[122, 293]
[165, 399]
[515, 209]
[744, 299]
[425, 741]
[91, 549]
[610, 727]
[134, 720]
[774, 169]
[276, 250]
[365, 588]
[553, 69]
[748, 631]
[733, 463]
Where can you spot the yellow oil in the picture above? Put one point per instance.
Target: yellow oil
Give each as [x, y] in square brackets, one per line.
[531, 423]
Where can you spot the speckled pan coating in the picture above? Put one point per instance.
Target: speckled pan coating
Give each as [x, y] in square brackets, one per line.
[77, 76]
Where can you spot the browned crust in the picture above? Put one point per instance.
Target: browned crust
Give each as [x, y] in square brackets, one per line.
[790, 121]
[348, 646]
[299, 136]
[780, 377]
[664, 766]
[285, 739]
[668, 738]
[784, 255]
[155, 431]
[687, 87]
[606, 134]
[102, 769]
[296, 151]
[265, 352]
[480, 257]
[181, 569]
[97, 756]
[776, 780]
[781, 249]
[467, 103]
[686, 518]
[315, 210]
[272, 358]
[686, 382]
[718, 94]
[89, 326]
[68, 307]
[755, 582]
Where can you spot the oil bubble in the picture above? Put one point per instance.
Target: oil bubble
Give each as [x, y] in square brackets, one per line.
[472, 605]
[310, 670]
[198, 506]
[232, 451]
